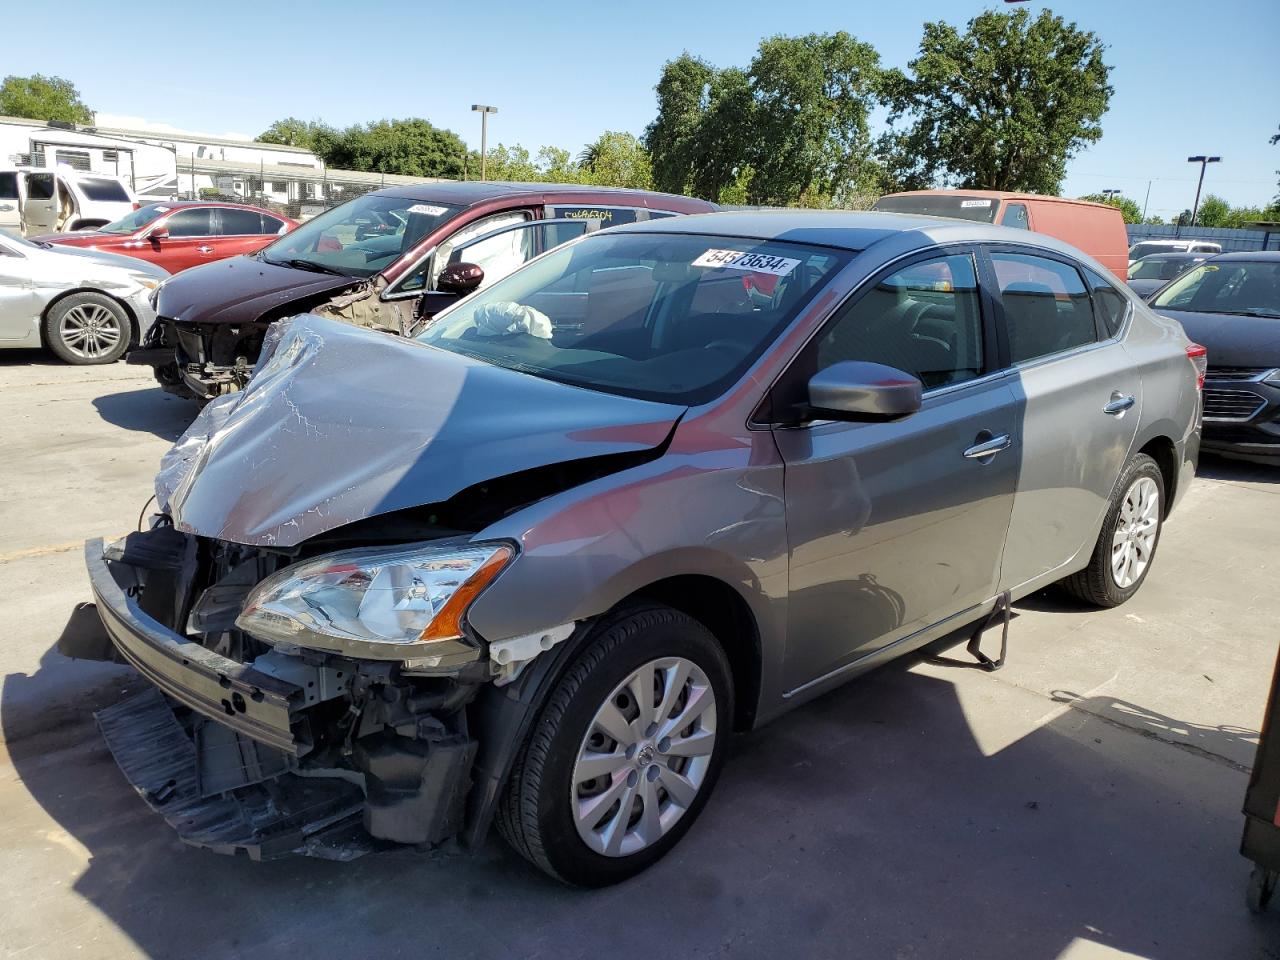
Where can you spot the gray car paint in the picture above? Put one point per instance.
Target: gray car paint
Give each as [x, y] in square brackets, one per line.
[848, 543]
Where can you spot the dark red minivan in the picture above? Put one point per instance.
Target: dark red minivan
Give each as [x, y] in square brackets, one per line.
[181, 234]
[393, 245]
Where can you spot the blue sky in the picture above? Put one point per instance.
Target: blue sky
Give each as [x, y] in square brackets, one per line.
[1190, 77]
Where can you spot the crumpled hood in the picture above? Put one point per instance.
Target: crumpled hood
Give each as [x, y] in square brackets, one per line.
[339, 424]
[240, 290]
[1232, 339]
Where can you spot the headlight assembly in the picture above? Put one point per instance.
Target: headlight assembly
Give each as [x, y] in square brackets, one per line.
[402, 604]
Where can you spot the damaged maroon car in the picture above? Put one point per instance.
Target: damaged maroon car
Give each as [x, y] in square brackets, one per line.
[376, 261]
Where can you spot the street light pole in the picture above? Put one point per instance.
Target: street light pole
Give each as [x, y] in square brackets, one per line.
[1204, 162]
[484, 111]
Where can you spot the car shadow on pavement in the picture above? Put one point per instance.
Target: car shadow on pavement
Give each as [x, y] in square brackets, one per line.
[1224, 468]
[34, 357]
[149, 410]
[869, 823]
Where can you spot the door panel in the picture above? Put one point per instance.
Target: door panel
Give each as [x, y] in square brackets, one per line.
[17, 299]
[892, 528]
[40, 208]
[1073, 450]
[191, 240]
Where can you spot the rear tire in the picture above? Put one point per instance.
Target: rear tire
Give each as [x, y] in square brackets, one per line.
[1127, 543]
[86, 329]
[641, 796]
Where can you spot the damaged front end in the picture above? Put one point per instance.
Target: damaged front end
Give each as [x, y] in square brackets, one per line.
[271, 748]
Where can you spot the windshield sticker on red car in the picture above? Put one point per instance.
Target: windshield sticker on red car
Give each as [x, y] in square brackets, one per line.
[754, 262]
[428, 209]
[975, 203]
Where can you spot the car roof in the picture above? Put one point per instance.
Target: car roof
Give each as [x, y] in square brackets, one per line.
[1262, 256]
[1179, 255]
[1000, 195]
[466, 193]
[844, 229]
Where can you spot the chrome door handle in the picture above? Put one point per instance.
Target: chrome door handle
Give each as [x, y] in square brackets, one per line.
[1119, 404]
[204, 248]
[989, 448]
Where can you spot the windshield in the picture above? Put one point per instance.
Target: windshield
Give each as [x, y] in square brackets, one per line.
[136, 220]
[1160, 268]
[981, 209]
[664, 317]
[361, 237]
[1232, 286]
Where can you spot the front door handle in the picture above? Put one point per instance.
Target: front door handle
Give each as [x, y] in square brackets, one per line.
[1119, 404]
[989, 448]
[204, 248]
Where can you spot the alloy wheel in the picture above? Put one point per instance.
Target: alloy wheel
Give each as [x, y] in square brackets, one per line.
[1134, 539]
[644, 757]
[90, 330]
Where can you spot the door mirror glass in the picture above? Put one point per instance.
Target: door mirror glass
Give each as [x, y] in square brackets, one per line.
[863, 391]
[460, 278]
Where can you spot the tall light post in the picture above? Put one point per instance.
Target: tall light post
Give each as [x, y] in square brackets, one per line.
[1204, 162]
[1111, 192]
[484, 112]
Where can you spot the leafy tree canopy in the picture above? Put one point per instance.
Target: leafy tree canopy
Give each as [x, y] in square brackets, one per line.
[43, 98]
[1001, 106]
[1129, 208]
[293, 132]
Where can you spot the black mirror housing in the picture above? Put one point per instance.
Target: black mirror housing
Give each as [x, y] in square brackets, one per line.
[861, 391]
[460, 278]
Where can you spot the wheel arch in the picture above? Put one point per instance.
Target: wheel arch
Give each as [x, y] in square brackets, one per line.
[1164, 452]
[134, 326]
[501, 717]
[88, 223]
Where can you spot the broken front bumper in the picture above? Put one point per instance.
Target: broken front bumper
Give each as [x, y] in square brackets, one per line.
[234, 694]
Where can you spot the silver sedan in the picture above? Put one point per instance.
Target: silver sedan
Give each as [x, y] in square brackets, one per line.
[85, 306]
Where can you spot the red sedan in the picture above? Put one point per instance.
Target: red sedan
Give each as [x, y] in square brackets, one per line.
[180, 234]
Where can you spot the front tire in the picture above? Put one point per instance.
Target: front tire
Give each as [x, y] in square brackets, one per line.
[625, 752]
[1127, 544]
[85, 329]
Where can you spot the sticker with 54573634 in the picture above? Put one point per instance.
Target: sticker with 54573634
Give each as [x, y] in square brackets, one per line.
[753, 262]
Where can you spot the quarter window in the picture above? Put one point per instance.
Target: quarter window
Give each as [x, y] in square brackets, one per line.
[1046, 307]
[923, 319]
[1108, 303]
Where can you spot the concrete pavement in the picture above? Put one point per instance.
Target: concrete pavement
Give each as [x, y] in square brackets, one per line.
[1083, 802]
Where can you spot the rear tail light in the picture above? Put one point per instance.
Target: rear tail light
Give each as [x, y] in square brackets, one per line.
[1199, 358]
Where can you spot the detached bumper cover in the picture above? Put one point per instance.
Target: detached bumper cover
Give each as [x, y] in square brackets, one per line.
[231, 693]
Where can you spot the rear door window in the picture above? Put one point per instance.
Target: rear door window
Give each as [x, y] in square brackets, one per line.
[8, 186]
[237, 223]
[1046, 307]
[40, 186]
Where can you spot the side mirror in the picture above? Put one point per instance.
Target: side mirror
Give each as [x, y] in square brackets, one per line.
[460, 278]
[860, 391]
[159, 233]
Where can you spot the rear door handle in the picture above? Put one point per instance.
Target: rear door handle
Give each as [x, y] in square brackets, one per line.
[1119, 404]
[989, 448]
[204, 248]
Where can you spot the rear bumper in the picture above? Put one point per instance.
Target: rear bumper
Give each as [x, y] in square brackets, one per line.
[230, 693]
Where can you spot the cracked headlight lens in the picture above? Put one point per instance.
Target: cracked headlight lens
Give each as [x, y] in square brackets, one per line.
[397, 604]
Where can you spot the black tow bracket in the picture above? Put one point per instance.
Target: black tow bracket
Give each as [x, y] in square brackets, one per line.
[999, 613]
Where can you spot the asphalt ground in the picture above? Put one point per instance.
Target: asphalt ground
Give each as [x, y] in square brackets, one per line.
[1083, 802]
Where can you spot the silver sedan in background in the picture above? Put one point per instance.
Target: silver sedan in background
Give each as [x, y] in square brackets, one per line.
[86, 307]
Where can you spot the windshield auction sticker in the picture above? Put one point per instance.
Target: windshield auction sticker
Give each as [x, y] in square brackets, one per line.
[428, 209]
[753, 262]
[975, 203]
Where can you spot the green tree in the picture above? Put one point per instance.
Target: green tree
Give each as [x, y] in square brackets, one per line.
[616, 160]
[1128, 208]
[43, 98]
[293, 132]
[1002, 106]
[812, 98]
[410, 147]
[671, 137]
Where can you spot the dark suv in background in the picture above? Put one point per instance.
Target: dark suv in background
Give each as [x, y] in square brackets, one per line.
[375, 261]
